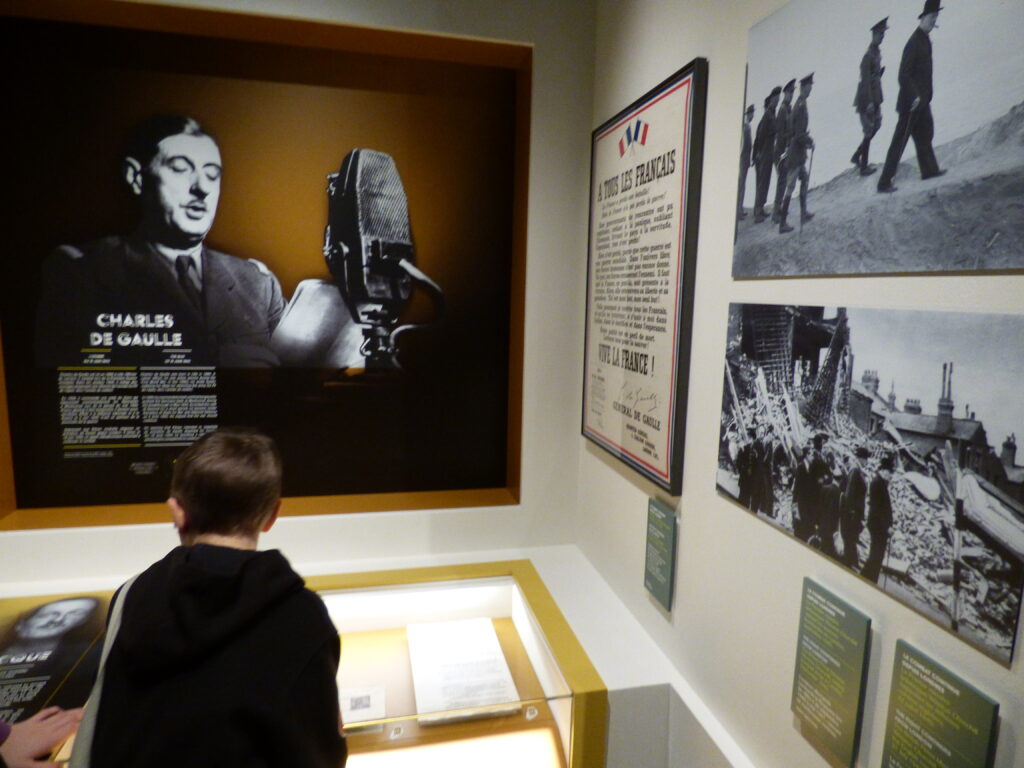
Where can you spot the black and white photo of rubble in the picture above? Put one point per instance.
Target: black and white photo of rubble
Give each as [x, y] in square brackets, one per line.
[887, 441]
[964, 214]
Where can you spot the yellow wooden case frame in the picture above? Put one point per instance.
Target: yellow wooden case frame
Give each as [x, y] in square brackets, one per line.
[589, 729]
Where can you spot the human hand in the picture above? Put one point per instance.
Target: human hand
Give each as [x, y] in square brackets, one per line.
[916, 104]
[36, 737]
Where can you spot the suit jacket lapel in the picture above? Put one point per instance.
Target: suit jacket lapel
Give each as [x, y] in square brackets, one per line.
[218, 290]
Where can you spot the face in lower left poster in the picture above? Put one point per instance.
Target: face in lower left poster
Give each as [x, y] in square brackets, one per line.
[49, 651]
[311, 242]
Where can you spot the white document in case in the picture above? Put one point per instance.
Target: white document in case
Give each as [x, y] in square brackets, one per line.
[458, 665]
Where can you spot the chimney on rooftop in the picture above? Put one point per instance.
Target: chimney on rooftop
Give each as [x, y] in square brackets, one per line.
[870, 381]
[912, 405]
[1009, 452]
[944, 422]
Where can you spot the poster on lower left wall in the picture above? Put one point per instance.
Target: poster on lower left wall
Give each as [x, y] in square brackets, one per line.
[49, 651]
[918, 495]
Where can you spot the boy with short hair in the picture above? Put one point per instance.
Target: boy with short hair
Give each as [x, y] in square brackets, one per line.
[223, 657]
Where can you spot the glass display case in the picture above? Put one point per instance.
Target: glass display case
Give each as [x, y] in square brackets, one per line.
[462, 666]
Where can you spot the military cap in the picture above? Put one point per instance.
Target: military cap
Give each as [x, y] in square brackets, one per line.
[791, 85]
[930, 6]
[809, 80]
[775, 91]
[750, 108]
[881, 26]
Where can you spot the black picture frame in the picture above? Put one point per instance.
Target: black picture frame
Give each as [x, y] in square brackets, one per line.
[649, 248]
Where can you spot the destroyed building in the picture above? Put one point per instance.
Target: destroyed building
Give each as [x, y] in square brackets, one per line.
[927, 434]
[786, 342]
[956, 551]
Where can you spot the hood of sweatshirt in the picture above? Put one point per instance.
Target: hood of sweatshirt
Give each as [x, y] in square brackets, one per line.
[185, 607]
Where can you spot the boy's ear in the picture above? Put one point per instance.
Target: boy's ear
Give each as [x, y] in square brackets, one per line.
[272, 519]
[178, 514]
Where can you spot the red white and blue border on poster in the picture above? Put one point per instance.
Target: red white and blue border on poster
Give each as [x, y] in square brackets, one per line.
[644, 207]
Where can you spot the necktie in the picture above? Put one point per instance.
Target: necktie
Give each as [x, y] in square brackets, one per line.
[186, 267]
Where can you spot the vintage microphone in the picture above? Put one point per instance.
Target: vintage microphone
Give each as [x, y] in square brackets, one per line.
[369, 251]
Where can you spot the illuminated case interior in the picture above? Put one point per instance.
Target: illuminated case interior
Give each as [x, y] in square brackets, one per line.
[556, 717]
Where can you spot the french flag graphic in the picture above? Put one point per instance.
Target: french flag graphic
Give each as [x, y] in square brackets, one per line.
[634, 133]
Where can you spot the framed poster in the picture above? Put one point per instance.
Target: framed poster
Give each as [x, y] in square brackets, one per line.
[310, 229]
[876, 144]
[644, 207]
[834, 433]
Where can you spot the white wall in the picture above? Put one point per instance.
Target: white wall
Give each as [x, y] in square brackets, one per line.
[563, 36]
[732, 633]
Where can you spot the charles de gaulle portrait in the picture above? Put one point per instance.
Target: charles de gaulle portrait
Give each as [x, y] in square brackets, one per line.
[160, 296]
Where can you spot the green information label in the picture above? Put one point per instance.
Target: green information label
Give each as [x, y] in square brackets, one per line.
[660, 565]
[936, 720]
[828, 682]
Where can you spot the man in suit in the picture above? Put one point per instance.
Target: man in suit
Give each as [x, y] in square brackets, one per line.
[783, 135]
[796, 156]
[764, 153]
[159, 295]
[746, 146]
[851, 514]
[868, 99]
[880, 519]
[914, 103]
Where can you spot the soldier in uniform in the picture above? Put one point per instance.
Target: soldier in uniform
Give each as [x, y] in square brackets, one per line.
[764, 152]
[914, 103]
[745, 149]
[868, 99]
[783, 135]
[796, 156]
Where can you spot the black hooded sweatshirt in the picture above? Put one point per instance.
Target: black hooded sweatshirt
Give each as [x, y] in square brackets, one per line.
[223, 659]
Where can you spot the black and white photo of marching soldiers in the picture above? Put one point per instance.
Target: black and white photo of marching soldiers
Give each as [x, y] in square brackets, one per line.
[923, 496]
[929, 96]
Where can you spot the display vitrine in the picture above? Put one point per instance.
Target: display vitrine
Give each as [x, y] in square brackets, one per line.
[462, 665]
